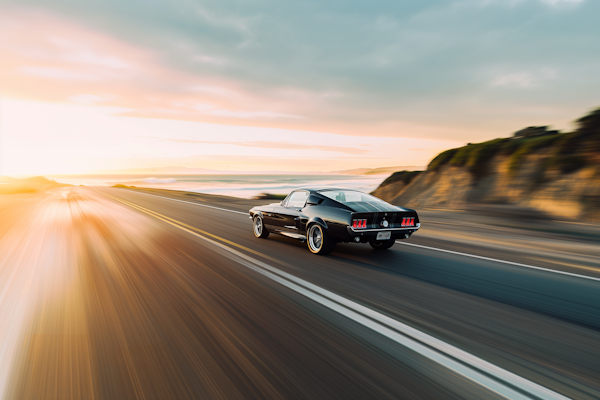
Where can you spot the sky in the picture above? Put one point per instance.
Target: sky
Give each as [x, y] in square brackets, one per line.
[263, 85]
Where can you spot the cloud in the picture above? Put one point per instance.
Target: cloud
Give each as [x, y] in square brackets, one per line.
[59, 73]
[271, 145]
[517, 3]
[209, 109]
[90, 99]
[520, 79]
[74, 52]
[557, 2]
[404, 68]
[250, 114]
[294, 146]
[204, 59]
[524, 79]
[219, 91]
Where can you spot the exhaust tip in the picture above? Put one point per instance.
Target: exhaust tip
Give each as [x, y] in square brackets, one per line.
[357, 239]
[406, 235]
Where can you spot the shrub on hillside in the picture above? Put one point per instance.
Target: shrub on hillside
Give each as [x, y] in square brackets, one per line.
[570, 151]
[587, 136]
[401, 176]
[567, 164]
[462, 155]
[528, 146]
[476, 156]
[482, 155]
[441, 159]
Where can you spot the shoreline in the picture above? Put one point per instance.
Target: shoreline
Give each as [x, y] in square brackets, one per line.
[242, 186]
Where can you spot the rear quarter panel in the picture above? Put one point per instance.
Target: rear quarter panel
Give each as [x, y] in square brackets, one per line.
[336, 219]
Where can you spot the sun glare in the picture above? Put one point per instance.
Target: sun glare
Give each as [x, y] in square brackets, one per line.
[73, 139]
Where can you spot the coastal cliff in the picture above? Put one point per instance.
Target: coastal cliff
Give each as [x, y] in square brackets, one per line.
[555, 173]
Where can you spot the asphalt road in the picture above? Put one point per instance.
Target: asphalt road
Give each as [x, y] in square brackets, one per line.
[114, 294]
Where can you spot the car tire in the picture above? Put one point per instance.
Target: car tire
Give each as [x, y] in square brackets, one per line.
[382, 244]
[318, 240]
[259, 227]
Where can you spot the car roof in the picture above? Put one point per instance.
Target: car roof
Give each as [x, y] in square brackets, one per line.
[314, 189]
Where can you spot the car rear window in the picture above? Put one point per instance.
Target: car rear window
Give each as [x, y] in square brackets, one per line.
[349, 196]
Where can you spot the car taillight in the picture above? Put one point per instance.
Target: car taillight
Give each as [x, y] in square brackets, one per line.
[408, 221]
[359, 223]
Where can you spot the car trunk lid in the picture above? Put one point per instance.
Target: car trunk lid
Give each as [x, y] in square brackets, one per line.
[373, 207]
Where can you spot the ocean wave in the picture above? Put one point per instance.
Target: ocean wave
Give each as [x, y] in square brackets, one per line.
[155, 180]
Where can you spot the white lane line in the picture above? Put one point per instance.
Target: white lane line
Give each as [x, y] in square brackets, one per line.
[191, 202]
[483, 373]
[416, 245]
[502, 261]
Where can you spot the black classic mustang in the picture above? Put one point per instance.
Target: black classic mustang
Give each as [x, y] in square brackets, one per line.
[324, 216]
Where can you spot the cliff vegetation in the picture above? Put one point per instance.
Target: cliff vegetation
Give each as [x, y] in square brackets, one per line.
[537, 168]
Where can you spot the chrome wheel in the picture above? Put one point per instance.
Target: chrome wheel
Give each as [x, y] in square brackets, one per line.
[319, 242]
[315, 238]
[259, 227]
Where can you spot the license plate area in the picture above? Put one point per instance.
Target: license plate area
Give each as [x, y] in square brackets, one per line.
[386, 235]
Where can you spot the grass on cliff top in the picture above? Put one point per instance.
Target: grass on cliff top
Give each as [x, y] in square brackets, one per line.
[569, 152]
[476, 156]
[401, 176]
[527, 147]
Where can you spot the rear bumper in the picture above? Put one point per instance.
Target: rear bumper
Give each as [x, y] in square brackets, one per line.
[369, 235]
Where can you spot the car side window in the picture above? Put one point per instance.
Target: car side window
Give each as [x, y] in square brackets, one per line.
[297, 199]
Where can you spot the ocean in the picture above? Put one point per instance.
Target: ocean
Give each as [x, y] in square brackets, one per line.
[245, 186]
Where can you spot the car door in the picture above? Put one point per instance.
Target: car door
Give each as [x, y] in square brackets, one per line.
[275, 216]
[272, 215]
[284, 216]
